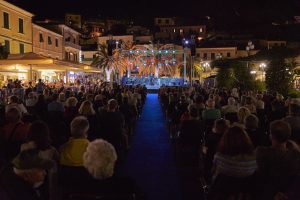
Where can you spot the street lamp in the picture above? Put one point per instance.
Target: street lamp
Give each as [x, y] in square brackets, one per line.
[249, 47]
[262, 67]
[185, 47]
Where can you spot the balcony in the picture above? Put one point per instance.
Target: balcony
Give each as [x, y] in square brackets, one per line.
[70, 44]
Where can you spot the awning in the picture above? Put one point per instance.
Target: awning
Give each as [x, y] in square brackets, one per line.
[26, 59]
[16, 62]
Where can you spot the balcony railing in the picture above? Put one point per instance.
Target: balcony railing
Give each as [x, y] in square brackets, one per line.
[70, 44]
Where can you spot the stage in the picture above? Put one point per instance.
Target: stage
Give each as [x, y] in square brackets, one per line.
[152, 83]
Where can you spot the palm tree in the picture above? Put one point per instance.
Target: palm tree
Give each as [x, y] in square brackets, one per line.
[104, 61]
[198, 68]
[110, 64]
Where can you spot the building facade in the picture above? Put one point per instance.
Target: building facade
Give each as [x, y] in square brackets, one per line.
[124, 38]
[15, 28]
[216, 53]
[46, 42]
[164, 21]
[72, 49]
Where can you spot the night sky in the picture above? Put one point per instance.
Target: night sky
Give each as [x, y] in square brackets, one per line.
[255, 10]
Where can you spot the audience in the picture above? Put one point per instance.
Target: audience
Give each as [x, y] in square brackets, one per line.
[12, 134]
[24, 178]
[91, 126]
[277, 164]
[293, 119]
[257, 136]
[71, 152]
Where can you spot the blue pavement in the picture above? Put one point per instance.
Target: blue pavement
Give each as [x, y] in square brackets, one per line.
[150, 160]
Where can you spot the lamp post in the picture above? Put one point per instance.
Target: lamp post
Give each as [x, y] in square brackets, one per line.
[185, 44]
[249, 47]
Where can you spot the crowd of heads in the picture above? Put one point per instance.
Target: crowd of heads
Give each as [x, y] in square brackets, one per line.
[242, 134]
[86, 126]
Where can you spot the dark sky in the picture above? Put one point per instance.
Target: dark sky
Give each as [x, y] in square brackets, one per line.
[253, 10]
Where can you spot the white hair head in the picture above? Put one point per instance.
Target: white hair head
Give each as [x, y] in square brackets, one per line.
[99, 159]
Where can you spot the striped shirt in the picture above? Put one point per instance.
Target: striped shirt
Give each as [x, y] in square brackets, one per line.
[234, 166]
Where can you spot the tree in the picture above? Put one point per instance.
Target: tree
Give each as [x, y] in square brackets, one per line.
[197, 68]
[225, 77]
[279, 75]
[3, 52]
[234, 73]
[243, 78]
[104, 61]
[114, 63]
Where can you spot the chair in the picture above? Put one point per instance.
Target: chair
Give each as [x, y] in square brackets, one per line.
[233, 188]
[78, 196]
[69, 177]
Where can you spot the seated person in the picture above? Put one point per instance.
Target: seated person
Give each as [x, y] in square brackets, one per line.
[212, 140]
[258, 136]
[233, 164]
[24, 179]
[12, 134]
[71, 152]
[231, 107]
[14, 102]
[294, 120]
[235, 154]
[99, 180]
[191, 131]
[277, 164]
[211, 113]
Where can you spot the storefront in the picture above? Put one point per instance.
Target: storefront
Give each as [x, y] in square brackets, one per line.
[31, 67]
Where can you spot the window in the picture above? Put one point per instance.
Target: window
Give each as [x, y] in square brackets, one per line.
[5, 20]
[205, 56]
[167, 21]
[7, 46]
[213, 56]
[41, 39]
[21, 26]
[201, 30]
[181, 31]
[49, 40]
[75, 57]
[56, 42]
[228, 54]
[159, 21]
[67, 56]
[198, 54]
[74, 41]
[94, 56]
[21, 48]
